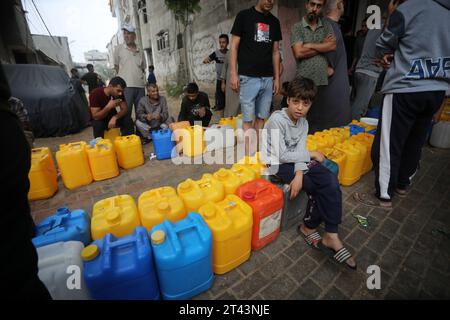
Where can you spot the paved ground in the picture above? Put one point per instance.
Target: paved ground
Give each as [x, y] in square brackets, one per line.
[413, 257]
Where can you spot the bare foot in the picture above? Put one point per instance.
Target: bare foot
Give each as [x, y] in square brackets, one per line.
[332, 241]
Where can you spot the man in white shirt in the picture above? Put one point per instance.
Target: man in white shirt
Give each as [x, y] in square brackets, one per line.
[130, 65]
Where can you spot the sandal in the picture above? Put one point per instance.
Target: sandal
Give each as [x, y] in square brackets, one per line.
[402, 193]
[340, 256]
[312, 239]
[371, 201]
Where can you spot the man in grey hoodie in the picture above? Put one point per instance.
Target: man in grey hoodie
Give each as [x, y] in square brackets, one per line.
[416, 48]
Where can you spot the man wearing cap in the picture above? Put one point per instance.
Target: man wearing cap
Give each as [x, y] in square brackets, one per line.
[129, 65]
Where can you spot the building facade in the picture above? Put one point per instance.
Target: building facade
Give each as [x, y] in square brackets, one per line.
[56, 48]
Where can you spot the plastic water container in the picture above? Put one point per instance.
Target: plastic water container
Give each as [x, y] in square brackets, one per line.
[199, 192]
[159, 204]
[440, 137]
[229, 179]
[366, 139]
[327, 138]
[42, 176]
[266, 201]
[311, 145]
[445, 115]
[112, 134]
[43, 151]
[103, 160]
[317, 141]
[59, 265]
[183, 257]
[243, 172]
[364, 149]
[129, 151]
[193, 142]
[293, 210]
[230, 222]
[64, 225]
[73, 164]
[121, 268]
[163, 144]
[254, 163]
[339, 158]
[230, 121]
[117, 215]
[177, 129]
[354, 163]
[218, 137]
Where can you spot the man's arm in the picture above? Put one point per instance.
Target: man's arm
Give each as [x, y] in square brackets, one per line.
[234, 77]
[300, 51]
[329, 44]
[164, 110]
[276, 66]
[182, 116]
[388, 41]
[141, 114]
[210, 58]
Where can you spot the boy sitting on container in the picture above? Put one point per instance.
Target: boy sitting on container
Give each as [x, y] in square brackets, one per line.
[152, 113]
[302, 169]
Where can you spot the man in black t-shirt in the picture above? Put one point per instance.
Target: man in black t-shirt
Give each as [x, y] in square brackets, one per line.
[255, 48]
[92, 79]
[195, 106]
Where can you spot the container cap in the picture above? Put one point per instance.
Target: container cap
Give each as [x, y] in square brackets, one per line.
[185, 186]
[222, 173]
[158, 237]
[90, 252]
[163, 206]
[210, 212]
[113, 216]
[248, 195]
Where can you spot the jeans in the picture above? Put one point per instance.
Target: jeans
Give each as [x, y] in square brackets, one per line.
[255, 97]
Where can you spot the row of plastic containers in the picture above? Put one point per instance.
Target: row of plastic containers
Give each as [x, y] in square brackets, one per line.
[234, 213]
[349, 147]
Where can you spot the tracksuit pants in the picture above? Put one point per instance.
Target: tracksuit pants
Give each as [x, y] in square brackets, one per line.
[322, 187]
[402, 130]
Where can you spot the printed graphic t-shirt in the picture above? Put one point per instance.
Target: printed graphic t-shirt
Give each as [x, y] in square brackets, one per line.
[258, 32]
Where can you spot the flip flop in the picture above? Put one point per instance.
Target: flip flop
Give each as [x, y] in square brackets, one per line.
[340, 256]
[312, 239]
[402, 193]
[371, 201]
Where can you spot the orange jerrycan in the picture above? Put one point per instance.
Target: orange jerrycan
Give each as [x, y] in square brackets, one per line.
[117, 215]
[353, 164]
[244, 173]
[193, 142]
[177, 129]
[102, 160]
[229, 180]
[129, 151]
[361, 146]
[266, 200]
[230, 222]
[159, 204]
[42, 176]
[112, 134]
[73, 164]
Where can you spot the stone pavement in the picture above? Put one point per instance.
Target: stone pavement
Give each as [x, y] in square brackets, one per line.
[413, 257]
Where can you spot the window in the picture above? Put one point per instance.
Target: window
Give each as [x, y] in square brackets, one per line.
[142, 7]
[180, 41]
[162, 40]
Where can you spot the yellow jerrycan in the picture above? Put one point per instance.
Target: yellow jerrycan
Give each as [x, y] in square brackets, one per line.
[353, 164]
[244, 173]
[230, 222]
[178, 129]
[193, 142]
[229, 180]
[367, 140]
[103, 160]
[46, 150]
[160, 204]
[73, 164]
[340, 158]
[112, 134]
[42, 176]
[129, 151]
[117, 215]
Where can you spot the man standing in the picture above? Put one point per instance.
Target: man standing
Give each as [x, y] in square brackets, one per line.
[416, 40]
[152, 113]
[103, 103]
[151, 75]
[255, 48]
[91, 78]
[129, 65]
[334, 99]
[195, 106]
[76, 84]
[311, 38]
[219, 57]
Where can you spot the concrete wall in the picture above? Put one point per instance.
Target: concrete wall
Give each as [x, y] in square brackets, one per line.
[56, 48]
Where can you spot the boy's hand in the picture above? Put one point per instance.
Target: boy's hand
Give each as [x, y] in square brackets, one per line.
[296, 184]
[112, 123]
[316, 155]
[202, 112]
